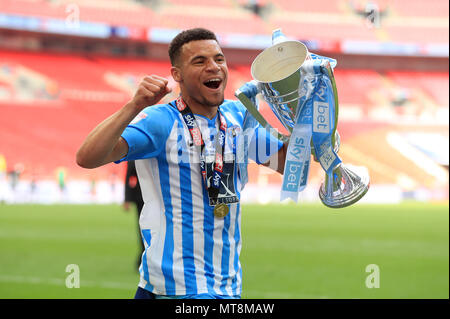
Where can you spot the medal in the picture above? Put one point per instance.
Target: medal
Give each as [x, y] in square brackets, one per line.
[221, 210]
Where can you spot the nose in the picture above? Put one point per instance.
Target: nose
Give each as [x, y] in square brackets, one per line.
[212, 66]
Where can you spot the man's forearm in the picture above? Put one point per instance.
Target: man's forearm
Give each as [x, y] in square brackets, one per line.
[276, 161]
[102, 145]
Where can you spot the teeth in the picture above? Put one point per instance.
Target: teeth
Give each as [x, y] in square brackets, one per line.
[213, 83]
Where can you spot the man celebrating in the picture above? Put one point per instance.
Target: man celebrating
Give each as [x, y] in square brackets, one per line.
[185, 154]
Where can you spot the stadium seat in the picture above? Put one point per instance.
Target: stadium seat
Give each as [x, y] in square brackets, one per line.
[87, 90]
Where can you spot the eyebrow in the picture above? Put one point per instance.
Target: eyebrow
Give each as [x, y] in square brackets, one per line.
[204, 57]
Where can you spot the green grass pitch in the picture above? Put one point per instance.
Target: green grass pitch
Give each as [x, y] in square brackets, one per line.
[288, 251]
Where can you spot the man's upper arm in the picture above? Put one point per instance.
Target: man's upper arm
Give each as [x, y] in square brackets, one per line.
[146, 135]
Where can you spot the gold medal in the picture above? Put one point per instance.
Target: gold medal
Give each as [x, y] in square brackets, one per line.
[221, 210]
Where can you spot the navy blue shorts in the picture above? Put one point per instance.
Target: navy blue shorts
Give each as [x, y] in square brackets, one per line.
[145, 294]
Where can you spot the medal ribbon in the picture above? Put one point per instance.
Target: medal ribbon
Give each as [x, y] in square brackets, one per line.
[196, 135]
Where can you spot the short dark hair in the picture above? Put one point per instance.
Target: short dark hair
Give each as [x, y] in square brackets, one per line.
[185, 37]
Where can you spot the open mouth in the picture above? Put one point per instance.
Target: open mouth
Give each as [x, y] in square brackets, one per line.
[213, 83]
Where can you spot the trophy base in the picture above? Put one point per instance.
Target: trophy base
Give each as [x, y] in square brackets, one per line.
[345, 190]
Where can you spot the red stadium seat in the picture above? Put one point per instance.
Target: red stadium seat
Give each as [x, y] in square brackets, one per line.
[419, 8]
[44, 134]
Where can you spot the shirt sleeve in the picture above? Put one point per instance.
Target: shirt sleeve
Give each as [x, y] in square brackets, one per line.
[263, 145]
[147, 133]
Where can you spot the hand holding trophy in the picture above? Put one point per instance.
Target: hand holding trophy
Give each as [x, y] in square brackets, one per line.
[300, 89]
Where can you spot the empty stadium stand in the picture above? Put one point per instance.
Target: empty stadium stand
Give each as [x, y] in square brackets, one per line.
[396, 21]
[50, 101]
[44, 133]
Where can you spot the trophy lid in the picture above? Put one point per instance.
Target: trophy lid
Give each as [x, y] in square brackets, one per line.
[279, 61]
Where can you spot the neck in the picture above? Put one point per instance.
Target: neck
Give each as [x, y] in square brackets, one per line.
[201, 109]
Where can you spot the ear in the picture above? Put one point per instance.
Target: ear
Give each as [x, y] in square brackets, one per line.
[176, 74]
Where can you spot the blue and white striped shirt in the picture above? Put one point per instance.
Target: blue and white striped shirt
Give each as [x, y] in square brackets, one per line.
[188, 250]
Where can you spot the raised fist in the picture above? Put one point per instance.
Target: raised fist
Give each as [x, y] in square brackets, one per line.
[150, 91]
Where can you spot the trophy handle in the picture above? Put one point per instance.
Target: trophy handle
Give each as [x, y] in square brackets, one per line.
[344, 186]
[335, 137]
[258, 116]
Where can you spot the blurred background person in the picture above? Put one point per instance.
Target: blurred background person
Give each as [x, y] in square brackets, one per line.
[2, 166]
[3, 180]
[133, 197]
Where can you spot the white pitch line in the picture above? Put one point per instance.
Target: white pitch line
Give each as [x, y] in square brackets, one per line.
[61, 282]
[125, 286]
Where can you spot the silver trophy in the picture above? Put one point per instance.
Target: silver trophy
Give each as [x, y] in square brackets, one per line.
[278, 73]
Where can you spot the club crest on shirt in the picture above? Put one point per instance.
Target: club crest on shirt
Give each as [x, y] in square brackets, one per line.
[139, 117]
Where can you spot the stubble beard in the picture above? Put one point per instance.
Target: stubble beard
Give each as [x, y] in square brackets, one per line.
[205, 102]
